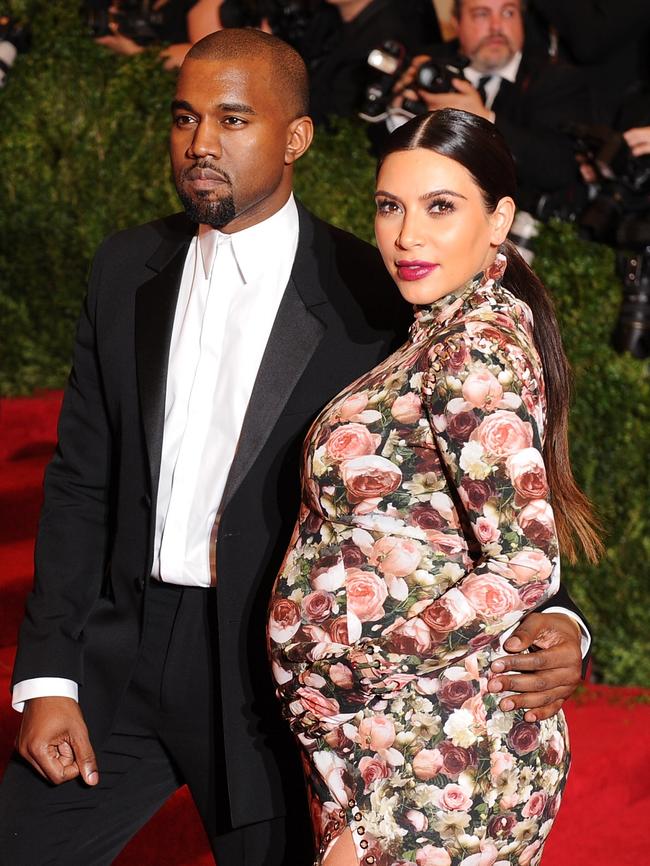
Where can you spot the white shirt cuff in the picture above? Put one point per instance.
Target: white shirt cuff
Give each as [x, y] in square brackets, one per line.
[43, 687]
[585, 641]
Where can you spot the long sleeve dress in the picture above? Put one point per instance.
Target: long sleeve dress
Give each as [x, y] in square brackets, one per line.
[425, 534]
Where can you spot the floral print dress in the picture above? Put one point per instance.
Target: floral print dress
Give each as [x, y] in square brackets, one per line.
[425, 534]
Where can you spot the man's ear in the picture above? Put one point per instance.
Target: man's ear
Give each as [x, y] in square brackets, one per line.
[501, 220]
[300, 135]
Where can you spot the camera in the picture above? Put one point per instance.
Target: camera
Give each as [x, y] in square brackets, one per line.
[614, 209]
[135, 19]
[14, 39]
[389, 61]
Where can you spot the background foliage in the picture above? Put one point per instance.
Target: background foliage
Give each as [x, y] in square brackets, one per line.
[84, 152]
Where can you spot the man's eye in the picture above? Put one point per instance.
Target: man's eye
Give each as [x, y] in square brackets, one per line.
[234, 121]
[183, 120]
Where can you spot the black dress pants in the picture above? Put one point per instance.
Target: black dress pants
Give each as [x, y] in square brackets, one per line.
[164, 736]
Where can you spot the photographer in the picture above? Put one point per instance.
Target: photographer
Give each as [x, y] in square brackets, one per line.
[342, 34]
[179, 22]
[609, 40]
[526, 96]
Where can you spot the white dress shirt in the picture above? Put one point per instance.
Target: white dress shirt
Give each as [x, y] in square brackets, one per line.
[230, 291]
[493, 85]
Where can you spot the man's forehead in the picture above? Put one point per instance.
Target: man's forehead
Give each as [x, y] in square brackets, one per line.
[226, 81]
[471, 5]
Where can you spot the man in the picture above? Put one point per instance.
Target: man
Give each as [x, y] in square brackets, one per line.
[205, 347]
[527, 97]
[339, 40]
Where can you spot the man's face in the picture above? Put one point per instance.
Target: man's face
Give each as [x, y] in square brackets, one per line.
[490, 32]
[228, 142]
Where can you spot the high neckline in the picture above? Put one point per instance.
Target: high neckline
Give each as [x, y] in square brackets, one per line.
[441, 311]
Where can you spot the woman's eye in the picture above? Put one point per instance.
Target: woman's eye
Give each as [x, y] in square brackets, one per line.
[386, 206]
[441, 206]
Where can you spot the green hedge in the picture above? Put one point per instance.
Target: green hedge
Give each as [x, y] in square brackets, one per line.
[84, 151]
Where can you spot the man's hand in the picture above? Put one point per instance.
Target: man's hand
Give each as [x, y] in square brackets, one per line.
[464, 97]
[555, 666]
[54, 739]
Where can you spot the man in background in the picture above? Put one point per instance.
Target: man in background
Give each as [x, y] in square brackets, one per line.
[526, 96]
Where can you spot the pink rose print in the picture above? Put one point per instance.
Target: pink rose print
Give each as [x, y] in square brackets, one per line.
[501, 764]
[315, 703]
[317, 606]
[503, 433]
[397, 556]
[370, 476]
[427, 763]
[366, 593]
[284, 620]
[429, 855]
[338, 630]
[341, 676]
[528, 474]
[529, 565]
[418, 820]
[448, 613]
[407, 409]
[376, 733]
[413, 637]
[353, 405]
[537, 523]
[454, 798]
[373, 770]
[351, 440]
[526, 856]
[482, 389]
[486, 530]
[426, 517]
[535, 806]
[491, 596]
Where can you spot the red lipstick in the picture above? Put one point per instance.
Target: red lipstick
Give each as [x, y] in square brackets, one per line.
[414, 270]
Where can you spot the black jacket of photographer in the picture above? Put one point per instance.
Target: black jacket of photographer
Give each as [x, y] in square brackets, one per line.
[531, 113]
[336, 52]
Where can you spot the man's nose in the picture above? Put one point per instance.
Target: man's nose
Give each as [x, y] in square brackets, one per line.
[205, 141]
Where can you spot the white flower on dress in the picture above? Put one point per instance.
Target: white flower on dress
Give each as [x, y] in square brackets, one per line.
[459, 728]
[471, 461]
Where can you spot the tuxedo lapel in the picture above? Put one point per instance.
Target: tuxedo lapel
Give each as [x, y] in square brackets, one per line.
[294, 338]
[154, 319]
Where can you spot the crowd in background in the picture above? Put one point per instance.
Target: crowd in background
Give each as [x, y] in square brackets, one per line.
[567, 83]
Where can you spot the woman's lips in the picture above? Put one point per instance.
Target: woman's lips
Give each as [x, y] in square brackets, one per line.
[415, 270]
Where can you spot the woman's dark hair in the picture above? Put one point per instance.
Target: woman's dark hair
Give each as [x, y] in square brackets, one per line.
[479, 147]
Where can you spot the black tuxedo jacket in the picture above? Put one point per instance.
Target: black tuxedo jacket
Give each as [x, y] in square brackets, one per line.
[531, 113]
[338, 317]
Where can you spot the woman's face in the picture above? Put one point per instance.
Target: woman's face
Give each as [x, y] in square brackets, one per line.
[432, 228]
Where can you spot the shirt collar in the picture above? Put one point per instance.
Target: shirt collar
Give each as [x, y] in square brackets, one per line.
[255, 247]
[507, 72]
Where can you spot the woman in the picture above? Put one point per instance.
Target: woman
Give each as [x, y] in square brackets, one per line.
[426, 532]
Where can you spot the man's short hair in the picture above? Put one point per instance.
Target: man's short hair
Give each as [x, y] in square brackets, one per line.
[286, 66]
[458, 5]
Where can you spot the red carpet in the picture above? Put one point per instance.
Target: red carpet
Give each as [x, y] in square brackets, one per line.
[604, 816]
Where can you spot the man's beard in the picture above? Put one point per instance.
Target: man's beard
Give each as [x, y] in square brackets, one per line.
[214, 213]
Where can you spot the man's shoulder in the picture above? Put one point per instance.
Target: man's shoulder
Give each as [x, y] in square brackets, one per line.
[143, 240]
